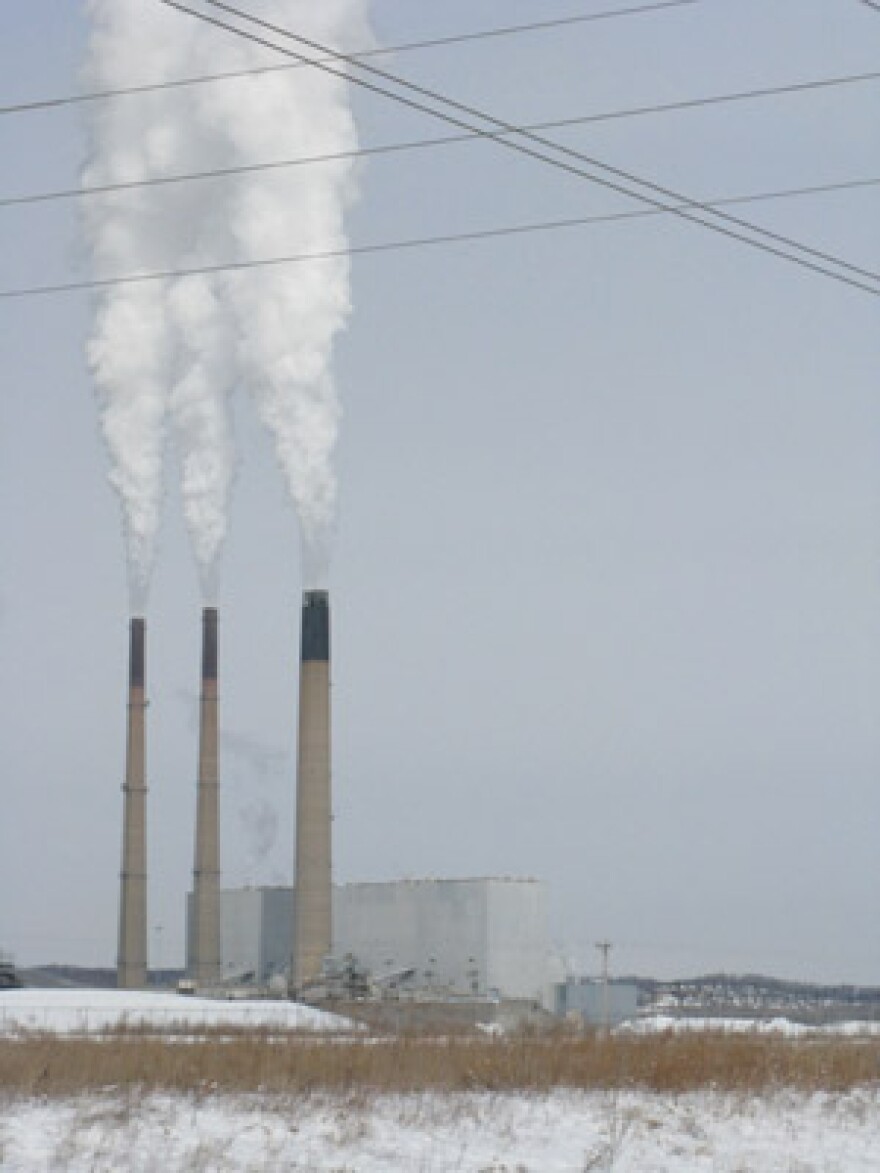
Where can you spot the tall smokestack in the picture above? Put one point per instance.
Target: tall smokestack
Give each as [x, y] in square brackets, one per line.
[205, 954]
[312, 931]
[131, 972]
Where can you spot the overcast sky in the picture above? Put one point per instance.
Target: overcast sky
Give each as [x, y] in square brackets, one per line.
[606, 587]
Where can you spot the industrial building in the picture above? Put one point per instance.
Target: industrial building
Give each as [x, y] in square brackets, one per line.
[442, 940]
[468, 938]
[596, 1003]
[475, 938]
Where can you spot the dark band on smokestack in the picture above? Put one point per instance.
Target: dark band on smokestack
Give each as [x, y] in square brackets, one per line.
[137, 654]
[209, 643]
[315, 626]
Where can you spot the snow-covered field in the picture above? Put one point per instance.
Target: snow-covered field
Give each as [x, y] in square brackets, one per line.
[362, 1132]
[84, 1012]
[562, 1132]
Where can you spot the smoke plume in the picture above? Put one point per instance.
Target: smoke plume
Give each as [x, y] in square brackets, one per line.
[175, 349]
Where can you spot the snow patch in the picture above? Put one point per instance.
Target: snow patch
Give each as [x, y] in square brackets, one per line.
[82, 1012]
[667, 1024]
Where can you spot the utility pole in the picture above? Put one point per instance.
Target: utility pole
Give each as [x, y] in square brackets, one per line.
[157, 973]
[604, 948]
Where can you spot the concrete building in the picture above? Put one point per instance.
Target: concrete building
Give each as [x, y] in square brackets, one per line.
[477, 937]
[588, 999]
[464, 938]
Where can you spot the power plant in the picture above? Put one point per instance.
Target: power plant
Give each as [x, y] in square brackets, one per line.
[132, 955]
[204, 961]
[482, 940]
[312, 921]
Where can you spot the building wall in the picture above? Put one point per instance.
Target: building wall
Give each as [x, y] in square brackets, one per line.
[436, 926]
[463, 937]
[240, 931]
[276, 938]
[518, 942]
[585, 997]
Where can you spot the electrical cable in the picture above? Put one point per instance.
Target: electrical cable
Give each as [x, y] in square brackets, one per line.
[682, 207]
[498, 124]
[440, 141]
[417, 243]
[383, 51]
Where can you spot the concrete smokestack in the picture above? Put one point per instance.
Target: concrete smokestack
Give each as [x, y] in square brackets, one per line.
[312, 930]
[205, 950]
[131, 972]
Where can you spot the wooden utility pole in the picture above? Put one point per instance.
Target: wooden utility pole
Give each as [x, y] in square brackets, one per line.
[604, 948]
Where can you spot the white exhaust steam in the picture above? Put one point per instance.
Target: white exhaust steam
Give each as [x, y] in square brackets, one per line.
[175, 349]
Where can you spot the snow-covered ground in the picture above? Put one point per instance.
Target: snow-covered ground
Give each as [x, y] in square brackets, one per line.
[664, 1023]
[562, 1132]
[82, 1012]
[93, 1011]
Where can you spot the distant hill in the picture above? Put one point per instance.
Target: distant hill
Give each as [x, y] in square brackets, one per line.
[755, 995]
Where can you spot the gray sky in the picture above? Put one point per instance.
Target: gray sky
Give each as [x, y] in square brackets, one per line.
[606, 589]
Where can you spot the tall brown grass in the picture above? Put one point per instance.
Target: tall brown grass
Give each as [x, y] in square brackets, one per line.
[53, 1066]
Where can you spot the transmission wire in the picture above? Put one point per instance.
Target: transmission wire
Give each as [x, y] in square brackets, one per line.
[382, 51]
[439, 141]
[682, 207]
[416, 243]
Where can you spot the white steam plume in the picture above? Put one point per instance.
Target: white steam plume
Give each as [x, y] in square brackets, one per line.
[201, 418]
[179, 347]
[129, 349]
[161, 347]
[288, 316]
[130, 385]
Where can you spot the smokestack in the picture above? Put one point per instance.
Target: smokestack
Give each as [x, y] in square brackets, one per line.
[205, 951]
[131, 972]
[312, 930]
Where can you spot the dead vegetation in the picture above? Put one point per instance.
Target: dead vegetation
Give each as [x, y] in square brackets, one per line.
[54, 1066]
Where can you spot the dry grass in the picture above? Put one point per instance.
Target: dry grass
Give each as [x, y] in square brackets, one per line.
[665, 1063]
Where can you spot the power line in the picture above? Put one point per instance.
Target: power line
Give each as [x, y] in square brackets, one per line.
[498, 125]
[427, 143]
[420, 242]
[683, 207]
[383, 51]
